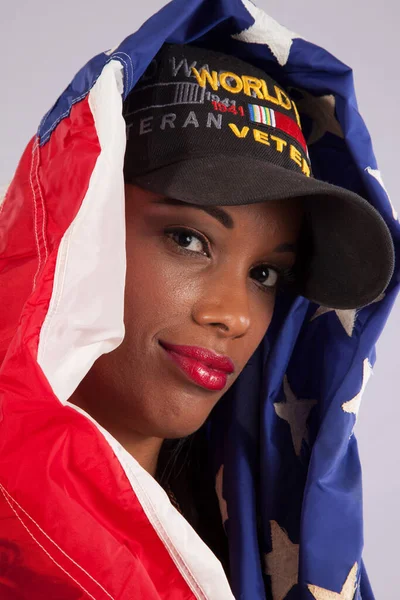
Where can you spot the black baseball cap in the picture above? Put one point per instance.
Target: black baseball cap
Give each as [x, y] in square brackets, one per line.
[208, 128]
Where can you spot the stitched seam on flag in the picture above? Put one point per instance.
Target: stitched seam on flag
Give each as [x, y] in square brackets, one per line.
[126, 67]
[35, 150]
[58, 287]
[5, 494]
[35, 214]
[130, 60]
[60, 118]
[165, 538]
[45, 136]
[43, 205]
[174, 550]
[44, 549]
[44, 118]
[59, 280]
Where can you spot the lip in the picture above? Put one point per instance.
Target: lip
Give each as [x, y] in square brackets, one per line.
[202, 366]
[202, 355]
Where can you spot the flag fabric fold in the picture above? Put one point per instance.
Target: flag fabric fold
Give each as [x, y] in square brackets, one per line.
[79, 517]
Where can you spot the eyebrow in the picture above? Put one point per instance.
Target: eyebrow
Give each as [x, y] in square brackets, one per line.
[222, 216]
[286, 248]
[218, 213]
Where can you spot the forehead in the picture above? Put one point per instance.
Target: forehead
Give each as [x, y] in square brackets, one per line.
[230, 215]
[259, 216]
[219, 213]
[274, 225]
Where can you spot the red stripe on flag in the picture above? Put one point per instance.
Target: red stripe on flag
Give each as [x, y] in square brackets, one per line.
[91, 537]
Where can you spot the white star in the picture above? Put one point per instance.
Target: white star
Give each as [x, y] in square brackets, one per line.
[377, 174]
[346, 317]
[222, 502]
[321, 109]
[265, 30]
[295, 412]
[282, 563]
[347, 592]
[353, 405]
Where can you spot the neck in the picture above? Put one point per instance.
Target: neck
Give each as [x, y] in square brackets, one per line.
[143, 449]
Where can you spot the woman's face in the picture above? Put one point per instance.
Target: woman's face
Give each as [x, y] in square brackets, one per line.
[191, 280]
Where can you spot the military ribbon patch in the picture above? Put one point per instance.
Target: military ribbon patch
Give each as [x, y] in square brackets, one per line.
[262, 114]
[274, 118]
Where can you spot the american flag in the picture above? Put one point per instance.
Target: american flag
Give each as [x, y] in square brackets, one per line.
[285, 457]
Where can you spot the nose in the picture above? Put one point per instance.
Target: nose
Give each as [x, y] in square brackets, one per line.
[226, 307]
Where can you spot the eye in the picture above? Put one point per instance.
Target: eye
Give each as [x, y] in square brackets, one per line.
[268, 274]
[188, 241]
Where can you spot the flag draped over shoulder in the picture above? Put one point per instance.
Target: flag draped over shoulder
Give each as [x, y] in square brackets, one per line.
[79, 518]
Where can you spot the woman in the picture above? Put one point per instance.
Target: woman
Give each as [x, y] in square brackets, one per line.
[218, 237]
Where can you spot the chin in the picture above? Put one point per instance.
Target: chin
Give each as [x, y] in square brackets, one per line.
[175, 428]
[174, 432]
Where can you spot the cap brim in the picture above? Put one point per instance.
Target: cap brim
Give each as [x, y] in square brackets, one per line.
[353, 258]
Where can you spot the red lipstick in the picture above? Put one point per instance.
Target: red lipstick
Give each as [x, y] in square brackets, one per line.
[204, 367]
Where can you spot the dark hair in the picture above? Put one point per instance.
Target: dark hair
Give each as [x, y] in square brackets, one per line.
[184, 466]
[173, 456]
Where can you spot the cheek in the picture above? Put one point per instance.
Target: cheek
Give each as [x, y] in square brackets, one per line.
[157, 287]
[165, 290]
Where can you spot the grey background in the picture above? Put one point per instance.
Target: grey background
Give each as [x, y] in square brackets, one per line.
[44, 43]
